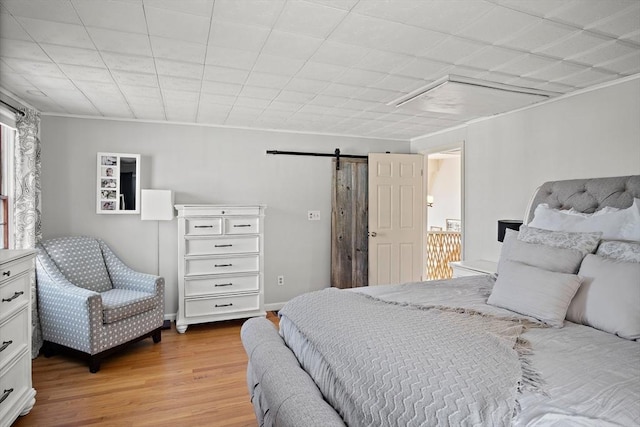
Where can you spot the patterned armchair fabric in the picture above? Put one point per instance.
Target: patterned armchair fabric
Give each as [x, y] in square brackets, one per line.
[90, 301]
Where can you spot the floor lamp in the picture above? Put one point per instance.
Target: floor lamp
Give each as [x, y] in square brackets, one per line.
[157, 205]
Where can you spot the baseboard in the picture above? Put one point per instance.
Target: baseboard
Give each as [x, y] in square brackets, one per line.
[274, 306]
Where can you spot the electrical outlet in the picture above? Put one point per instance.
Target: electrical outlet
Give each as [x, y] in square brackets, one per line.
[313, 215]
[280, 280]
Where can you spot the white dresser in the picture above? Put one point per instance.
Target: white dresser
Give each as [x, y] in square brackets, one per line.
[473, 268]
[17, 395]
[220, 263]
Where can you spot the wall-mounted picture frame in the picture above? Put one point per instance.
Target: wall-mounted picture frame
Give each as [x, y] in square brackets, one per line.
[454, 225]
[118, 183]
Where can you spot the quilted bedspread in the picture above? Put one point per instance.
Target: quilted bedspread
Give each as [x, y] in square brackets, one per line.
[394, 364]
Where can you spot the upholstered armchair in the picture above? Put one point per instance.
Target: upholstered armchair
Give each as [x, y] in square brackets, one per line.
[91, 302]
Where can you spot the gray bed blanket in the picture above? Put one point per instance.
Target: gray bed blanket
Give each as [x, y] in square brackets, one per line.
[390, 364]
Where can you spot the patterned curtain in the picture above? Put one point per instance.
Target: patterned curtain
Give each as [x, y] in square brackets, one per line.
[27, 226]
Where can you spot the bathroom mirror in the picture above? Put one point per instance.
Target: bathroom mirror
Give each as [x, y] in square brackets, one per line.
[118, 183]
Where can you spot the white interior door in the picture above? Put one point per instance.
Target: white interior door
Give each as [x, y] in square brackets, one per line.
[396, 218]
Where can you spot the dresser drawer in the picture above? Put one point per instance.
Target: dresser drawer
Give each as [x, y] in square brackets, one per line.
[11, 270]
[221, 305]
[241, 225]
[13, 336]
[14, 295]
[203, 226]
[14, 384]
[238, 264]
[218, 285]
[222, 246]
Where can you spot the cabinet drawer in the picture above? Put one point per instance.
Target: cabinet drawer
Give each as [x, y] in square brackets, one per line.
[14, 295]
[13, 336]
[10, 271]
[239, 264]
[221, 305]
[203, 226]
[222, 246]
[14, 384]
[241, 225]
[219, 285]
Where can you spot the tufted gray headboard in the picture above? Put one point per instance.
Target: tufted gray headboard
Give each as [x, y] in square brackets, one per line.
[586, 195]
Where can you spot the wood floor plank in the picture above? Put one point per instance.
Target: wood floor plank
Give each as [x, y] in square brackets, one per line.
[192, 379]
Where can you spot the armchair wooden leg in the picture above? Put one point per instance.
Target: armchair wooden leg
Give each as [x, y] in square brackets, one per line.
[94, 364]
[47, 349]
[157, 335]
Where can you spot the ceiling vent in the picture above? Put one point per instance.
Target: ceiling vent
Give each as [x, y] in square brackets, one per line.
[470, 98]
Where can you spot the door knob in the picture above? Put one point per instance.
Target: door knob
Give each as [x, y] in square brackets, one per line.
[373, 234]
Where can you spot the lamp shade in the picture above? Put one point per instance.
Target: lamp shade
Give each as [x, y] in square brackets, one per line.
[503, 224]
[157, 205]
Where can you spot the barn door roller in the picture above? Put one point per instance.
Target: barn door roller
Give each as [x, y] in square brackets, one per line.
[335, 154]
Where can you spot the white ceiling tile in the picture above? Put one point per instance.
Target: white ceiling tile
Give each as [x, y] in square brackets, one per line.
[97, 89]
[399, 83]
[275, 81]
[328, 101]
[180, 97]
[277, 65]
[133, 93]
[225, 75]
[221, 88]
[259, 92]
[339, 54]
[146, 111]
[56, 33]
[249, 12]
[453, 49]
[525, 63]
[51, 10]
[317, 71]
[178, 50]
[287, 106]
[557, 71]
[541, 8]
[357, 77]
[539, 35]
[424, 69]
[91, 74]
[490, 57]
[22, 50]
[289, 45]
[306, 85]
[179, 83]
[217, 99]
[136, 64]
[176, 25]
[604, 53]
[573, 45]
[73, 55]
[113, 15]
[626, 66]
[583, 13]
[186, 70]
[208, 108]
[620, 24]
[39, 68]
[384, 62]
[633, 37]
[377, 95]
[338, 89]
[586, 78]
[120, 42]
[338, 4]
[237, 36]
[292, 96]
[497, 24]
[193, 7]
[233, 58]
[245, 101]
[308, 18]
[48, 83]
[11, 29]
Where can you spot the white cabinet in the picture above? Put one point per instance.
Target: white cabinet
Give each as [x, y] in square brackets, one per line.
[17, 395]
[473, 268]
[220, 263]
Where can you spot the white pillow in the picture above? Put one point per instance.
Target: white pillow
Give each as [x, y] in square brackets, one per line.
[534, 292]
[583, 242]
[549, 258]
[609, 298]
[623, 224]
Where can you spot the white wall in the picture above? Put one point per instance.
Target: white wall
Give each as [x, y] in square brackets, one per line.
[591, 134]
[202, 165]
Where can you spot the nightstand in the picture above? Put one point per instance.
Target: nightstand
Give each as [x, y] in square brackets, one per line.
[473, 268]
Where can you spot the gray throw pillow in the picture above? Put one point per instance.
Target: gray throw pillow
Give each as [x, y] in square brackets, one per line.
[584, 242]
[620, 250]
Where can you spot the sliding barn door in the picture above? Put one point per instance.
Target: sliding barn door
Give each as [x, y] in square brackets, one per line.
[396, 216]
[349, 265]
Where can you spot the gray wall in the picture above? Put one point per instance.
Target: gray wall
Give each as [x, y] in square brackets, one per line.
[591, 134]
[201, 165]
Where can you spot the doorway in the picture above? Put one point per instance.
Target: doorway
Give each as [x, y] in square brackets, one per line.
[444, 210]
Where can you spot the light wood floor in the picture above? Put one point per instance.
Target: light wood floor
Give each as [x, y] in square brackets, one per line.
[191, 379]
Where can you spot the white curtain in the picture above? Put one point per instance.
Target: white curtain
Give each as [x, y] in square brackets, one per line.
[26, 205]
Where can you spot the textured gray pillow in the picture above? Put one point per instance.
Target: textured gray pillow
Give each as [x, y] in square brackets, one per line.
[609, 298]
[620, 250]
[584, 242]
[545, 257]
[544, 295]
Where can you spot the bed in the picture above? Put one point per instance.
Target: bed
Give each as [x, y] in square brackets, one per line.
[551, 340]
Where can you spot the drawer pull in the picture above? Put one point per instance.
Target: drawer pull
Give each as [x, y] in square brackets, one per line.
[6, 273]
[242, 225]
[15, 295]
[203, 226]
[5, 394]
[223, 265]
[224, 305]
[223, 246]
[223, 284]
[5, 344]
